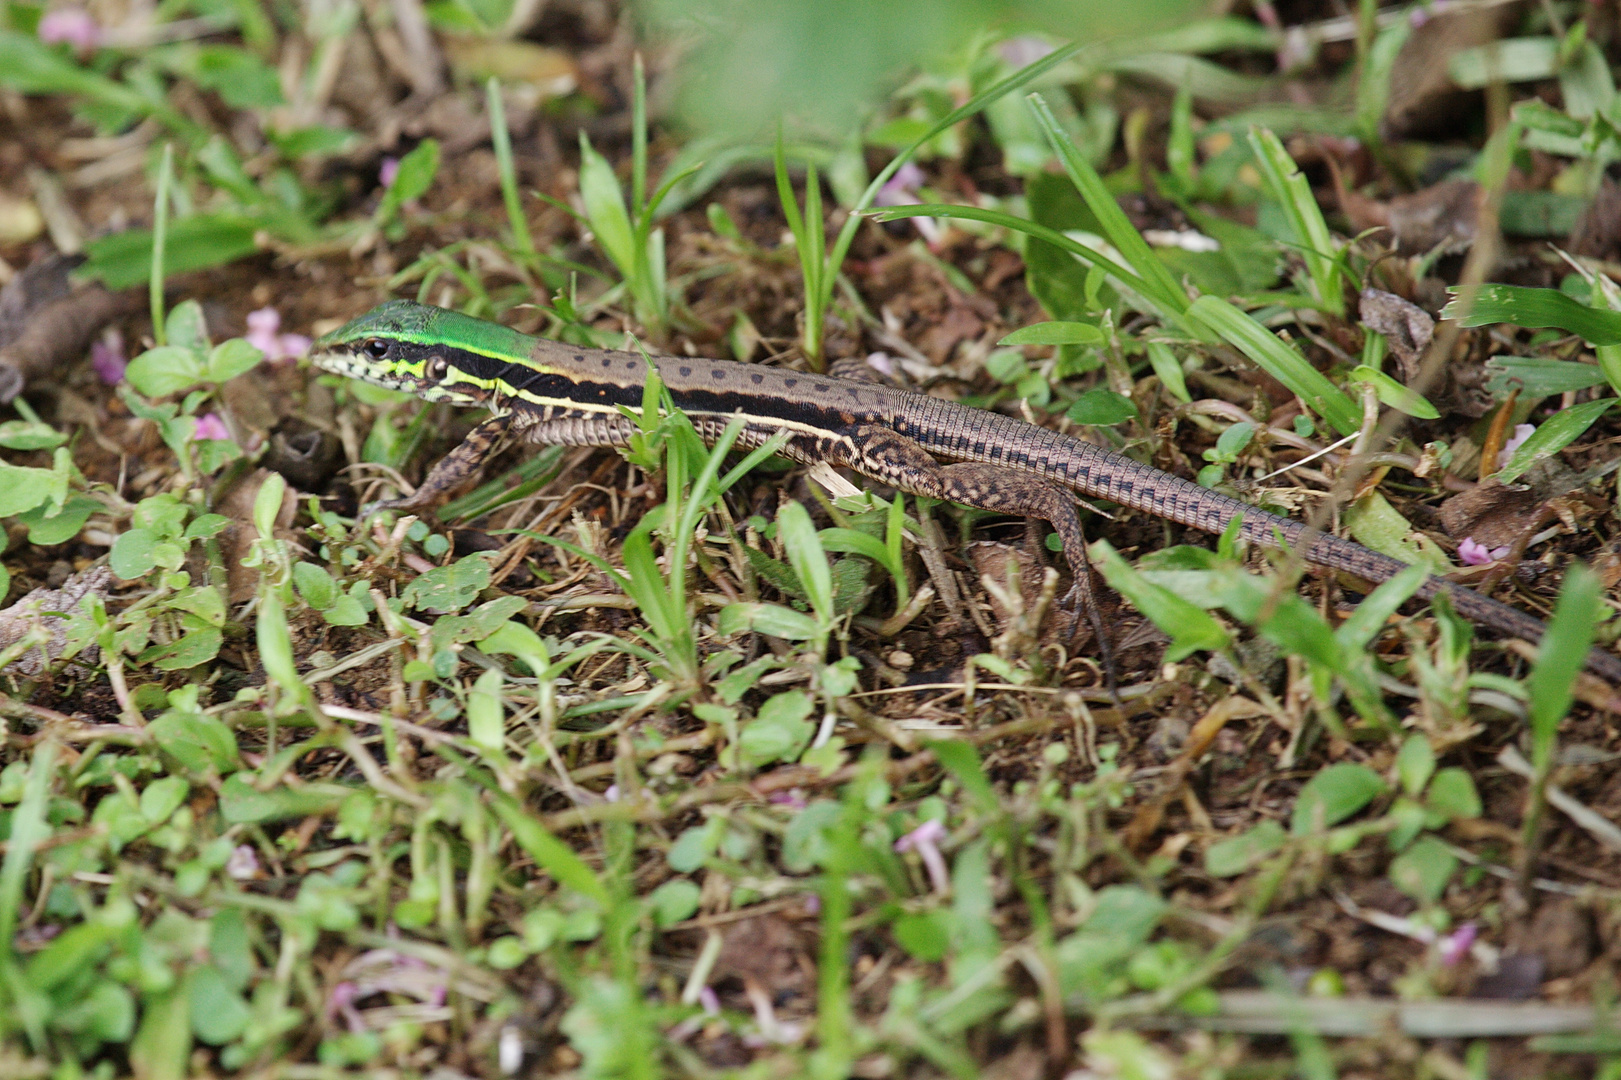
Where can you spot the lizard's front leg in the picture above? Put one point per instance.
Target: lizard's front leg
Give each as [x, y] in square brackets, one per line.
[453, 470]
[883, 454]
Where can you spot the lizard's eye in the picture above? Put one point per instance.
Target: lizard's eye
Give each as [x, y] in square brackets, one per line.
[436, 368]
[376, 348]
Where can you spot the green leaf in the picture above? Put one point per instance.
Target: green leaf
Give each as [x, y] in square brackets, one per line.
[1280, 361]
[1537, 376]
[1292, 192]
[30, 435]
[1452, 794]
[1534, 308]
[345, 611]
[1553, 435]
[1236, 854]
[24, 488]
[275, 643]
[198, 741]
[1423, 870]
[1394, 394]
[315, 585]
[605, 208]
[1508, 60]
[162, 1046]
[1334, 794]
[186, 326]
[549, 853]
[1055, 333]
[674, 901]
[1101, 408]
[132, 556]
[416, 173]
[231, 358]
[242, 80]
[486, 716]
[243, 804]
[447, 589]
[190, 650]
[165, 370]
[773, 620]
[1415, 763]
[925, 935]
[806, 556]
[961, 760]
[1159, 287]
[45, 528]
[1191, 628]
[779, 732]
[1560, 657]
[191, 243]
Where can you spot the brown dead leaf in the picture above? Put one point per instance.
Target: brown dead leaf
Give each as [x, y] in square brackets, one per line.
[766, 950]
[1494, 513]
[31, 611]
[1407, 327]
[46, 324]
[1598, 234]
[1423, 97]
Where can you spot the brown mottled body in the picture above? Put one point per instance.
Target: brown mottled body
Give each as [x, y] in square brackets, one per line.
[561, 394]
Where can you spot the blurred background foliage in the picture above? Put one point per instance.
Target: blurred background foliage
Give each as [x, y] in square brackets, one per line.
[822, 66]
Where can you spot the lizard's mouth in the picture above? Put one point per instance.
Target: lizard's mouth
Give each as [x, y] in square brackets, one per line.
[355, 365]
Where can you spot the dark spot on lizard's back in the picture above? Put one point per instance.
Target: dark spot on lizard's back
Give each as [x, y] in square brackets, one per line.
[790, 383]
[855, 395]
[606, 360]
[757, 378]
[578, 359]
[821, 388]
[717, 374]
[1128, 486]
[686, 371]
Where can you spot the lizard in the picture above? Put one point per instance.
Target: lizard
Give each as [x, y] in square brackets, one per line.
[552, 393]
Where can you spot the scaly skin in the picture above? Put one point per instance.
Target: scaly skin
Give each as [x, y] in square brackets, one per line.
[551, 393]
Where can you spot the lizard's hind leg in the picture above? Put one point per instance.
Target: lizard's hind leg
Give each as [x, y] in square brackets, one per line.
[885, 455]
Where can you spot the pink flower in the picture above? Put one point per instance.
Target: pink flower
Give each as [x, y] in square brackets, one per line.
[210, 426]
[243, 865]
[70, 26]
[924, 839]
[1424, 13]
[1473, 553]
[263, 327]
[1023, 51]
[388, 171]
[107, 358]
[902, 190]
[1455, 946]
[1522, 432]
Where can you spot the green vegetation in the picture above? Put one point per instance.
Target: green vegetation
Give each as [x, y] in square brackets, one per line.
[672, 764]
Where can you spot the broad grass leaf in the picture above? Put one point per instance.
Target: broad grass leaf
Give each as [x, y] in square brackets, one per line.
[1553, 435]
[1334, 794]
[1484, 305]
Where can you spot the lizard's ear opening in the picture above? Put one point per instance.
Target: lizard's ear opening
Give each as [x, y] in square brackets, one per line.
[436, 368]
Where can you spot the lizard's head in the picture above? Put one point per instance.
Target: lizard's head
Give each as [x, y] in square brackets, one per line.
[428, 352]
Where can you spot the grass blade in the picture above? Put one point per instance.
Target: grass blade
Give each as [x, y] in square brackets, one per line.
[1160, 287]
[1279, 361]
[1560, 658]
[1557, 432]
[1533, 308]
[1290, 189]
